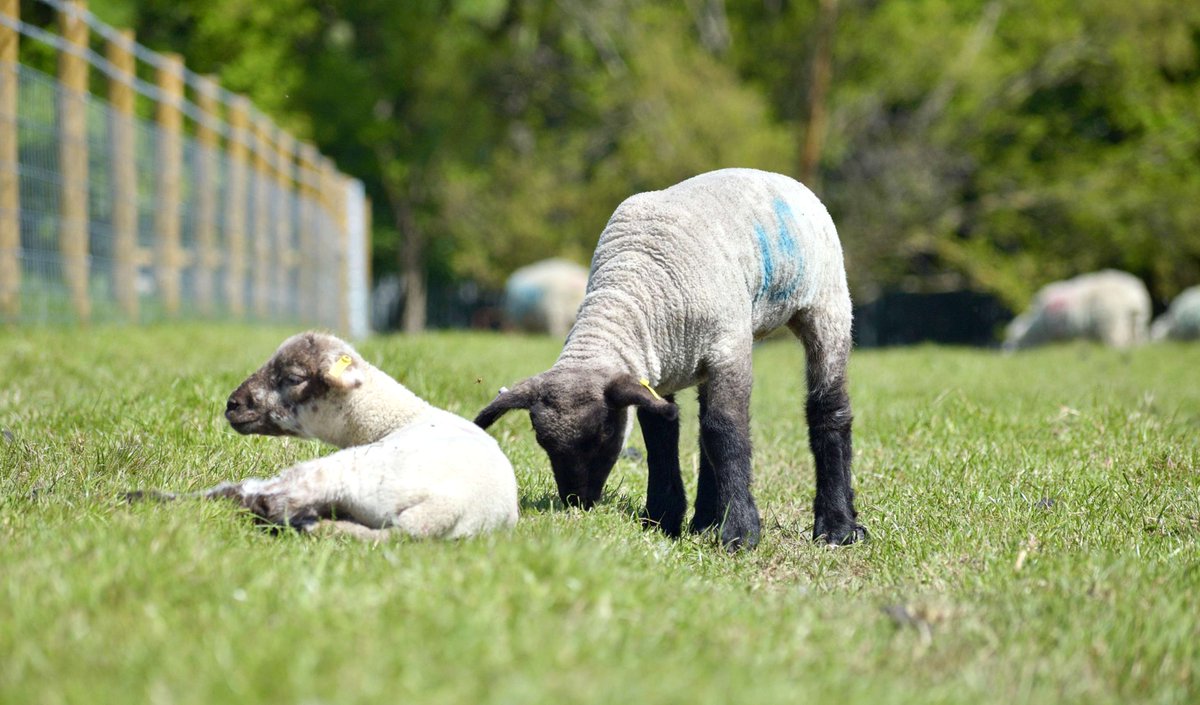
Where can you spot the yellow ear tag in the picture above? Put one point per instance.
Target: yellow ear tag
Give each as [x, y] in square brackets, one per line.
[646, 383]
[340, 366]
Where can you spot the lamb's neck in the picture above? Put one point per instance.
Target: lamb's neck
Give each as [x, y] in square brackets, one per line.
[378, 407]
[612, 332]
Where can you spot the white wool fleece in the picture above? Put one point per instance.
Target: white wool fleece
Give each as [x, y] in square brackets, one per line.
[725, 257]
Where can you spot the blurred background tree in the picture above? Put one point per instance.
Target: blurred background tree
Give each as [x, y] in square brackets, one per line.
[987, 145]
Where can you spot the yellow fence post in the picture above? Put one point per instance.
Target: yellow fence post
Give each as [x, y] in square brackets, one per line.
[286, 247]
[10, 185]
[307, 213]
[121, 95]
[207, 257]
[168, 254]
[262, 214]
[235, 207]
[337, 202]
[73, 159]
[368, 223]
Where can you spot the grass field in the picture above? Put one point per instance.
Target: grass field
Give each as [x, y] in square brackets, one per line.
[1035, 538]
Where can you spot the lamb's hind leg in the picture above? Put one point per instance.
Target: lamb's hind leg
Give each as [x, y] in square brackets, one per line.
[665, 499]
[330, 527]
[708, 513]
[724, 497]
[827, 351]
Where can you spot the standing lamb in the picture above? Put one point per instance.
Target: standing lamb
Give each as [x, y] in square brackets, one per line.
[682, 283]
[1182, 318]
[1109, 306]
[543, 297]
[406, 466]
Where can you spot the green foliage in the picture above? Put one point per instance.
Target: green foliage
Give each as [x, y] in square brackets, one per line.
[1034, 518]
[654, 110]
[993, 144]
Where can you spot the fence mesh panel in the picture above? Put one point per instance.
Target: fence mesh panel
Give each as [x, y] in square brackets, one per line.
[154, 251]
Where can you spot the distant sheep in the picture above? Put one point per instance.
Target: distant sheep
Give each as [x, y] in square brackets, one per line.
[406, 466]
[683, 281]
[1109, 306]
[1182, 318]
[543, 297]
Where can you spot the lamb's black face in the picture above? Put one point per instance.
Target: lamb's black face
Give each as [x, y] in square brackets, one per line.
[579, 418]
[267, 402]
[583, 439]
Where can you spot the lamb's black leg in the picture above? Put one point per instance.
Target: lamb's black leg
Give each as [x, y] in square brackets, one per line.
[665, 499]
[829, 421]
[826, 337]
[725, 440]
[708, 509]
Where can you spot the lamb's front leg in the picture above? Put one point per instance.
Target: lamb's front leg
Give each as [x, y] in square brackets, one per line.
[665, 499]
[297, 497]
[724, 497]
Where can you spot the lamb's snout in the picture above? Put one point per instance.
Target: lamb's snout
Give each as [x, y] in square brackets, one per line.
[246, 415]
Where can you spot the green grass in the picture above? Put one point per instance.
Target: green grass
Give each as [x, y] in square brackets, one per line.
[1035, 527]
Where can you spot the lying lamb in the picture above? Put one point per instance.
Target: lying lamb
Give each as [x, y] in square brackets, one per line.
[1109, 306]
[406, 466]
[543, 297]
[1182, 318]
[682, 283]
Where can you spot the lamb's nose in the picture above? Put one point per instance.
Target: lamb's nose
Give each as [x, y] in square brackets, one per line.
[232, 405]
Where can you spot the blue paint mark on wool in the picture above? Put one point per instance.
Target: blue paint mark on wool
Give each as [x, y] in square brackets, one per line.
[768, 264]
[791, 249]
[788, 265]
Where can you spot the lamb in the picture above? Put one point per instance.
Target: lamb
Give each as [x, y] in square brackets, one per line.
[1182, 318]
[682, 282]
[405, 466]
[543, 297]
[1109, 306]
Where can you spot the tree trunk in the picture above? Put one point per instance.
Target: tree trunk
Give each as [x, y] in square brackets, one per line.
[818, 90]
[403, 197]
[412, 266]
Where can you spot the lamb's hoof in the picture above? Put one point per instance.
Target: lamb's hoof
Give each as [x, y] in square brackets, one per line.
[734, 542]
[147, 496]
[843, 535]
[740, 534]
[670, 523]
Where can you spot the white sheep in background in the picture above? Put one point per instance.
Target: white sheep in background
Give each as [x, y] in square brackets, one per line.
[1182, 318]
[1109, 306]
[543, 297]
[406, 466]
[682, 283]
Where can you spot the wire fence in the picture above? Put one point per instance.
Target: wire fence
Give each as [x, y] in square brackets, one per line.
[205, 210]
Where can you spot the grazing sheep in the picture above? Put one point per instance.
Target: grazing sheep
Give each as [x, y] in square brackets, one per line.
[543, 297]
[1109, 306]
[1182, 318]
[406, 466]
[682, 283]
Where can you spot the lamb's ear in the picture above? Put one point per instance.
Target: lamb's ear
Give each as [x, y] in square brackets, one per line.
[521, 396]
[627, 390]
[342, 371]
